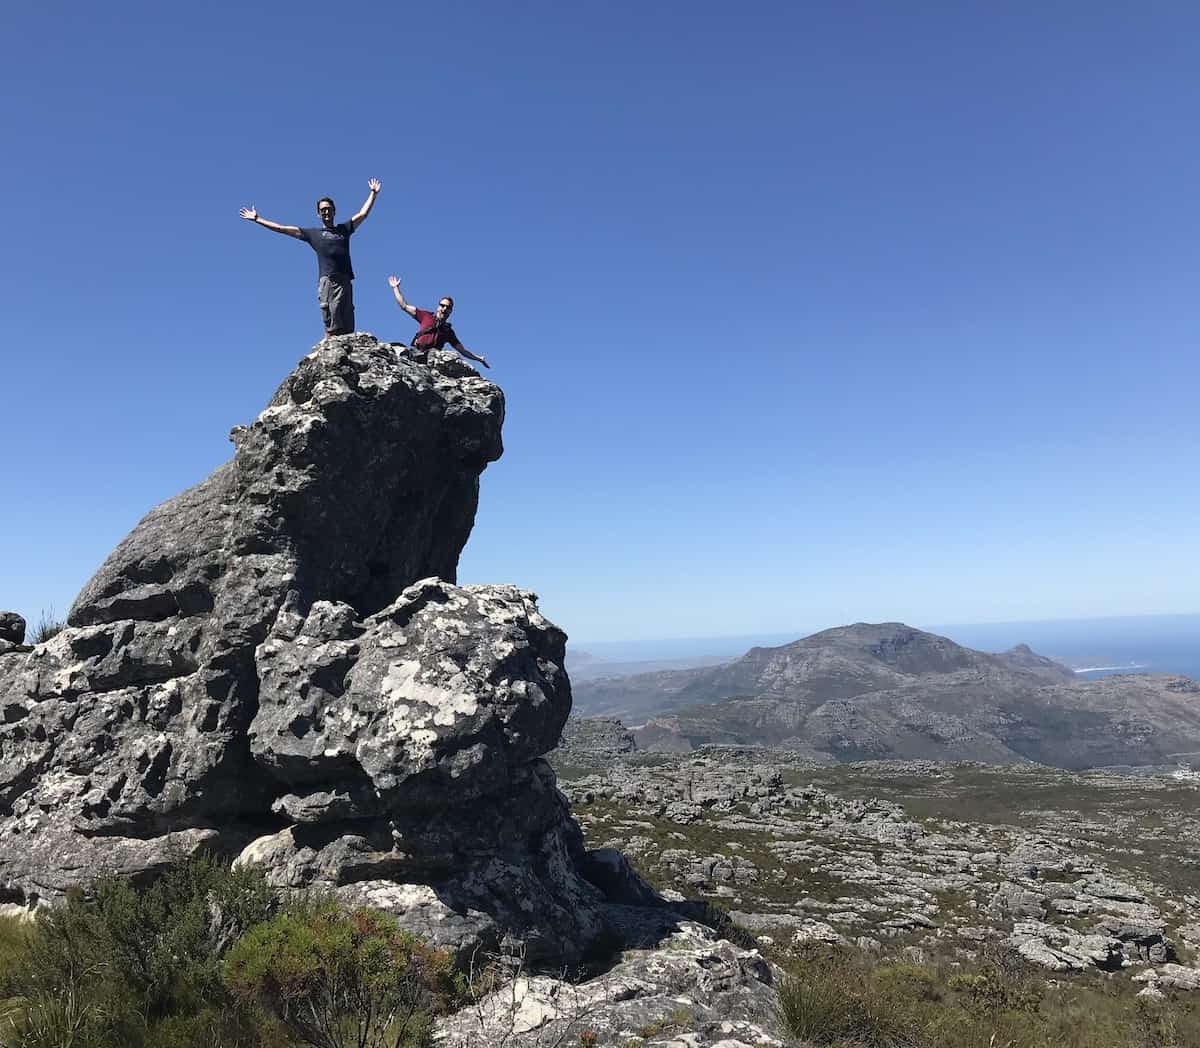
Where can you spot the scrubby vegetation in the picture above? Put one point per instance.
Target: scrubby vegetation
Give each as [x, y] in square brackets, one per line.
[208, 956]
[48, 625]
[334, 978]
[837, 998]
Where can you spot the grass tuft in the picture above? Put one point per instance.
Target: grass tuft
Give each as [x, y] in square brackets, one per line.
[47, 626]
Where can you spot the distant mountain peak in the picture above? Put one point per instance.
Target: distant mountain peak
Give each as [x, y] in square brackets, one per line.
[901, 648]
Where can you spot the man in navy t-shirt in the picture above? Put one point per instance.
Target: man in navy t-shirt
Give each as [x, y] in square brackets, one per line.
[331, 242]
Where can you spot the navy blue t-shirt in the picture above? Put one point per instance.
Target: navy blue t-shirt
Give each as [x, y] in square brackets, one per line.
[333, 249]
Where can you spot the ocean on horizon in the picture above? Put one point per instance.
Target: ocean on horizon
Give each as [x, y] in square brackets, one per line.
[1130, 644]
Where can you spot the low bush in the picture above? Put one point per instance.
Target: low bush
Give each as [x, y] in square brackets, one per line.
[115, 966]
[338, 979]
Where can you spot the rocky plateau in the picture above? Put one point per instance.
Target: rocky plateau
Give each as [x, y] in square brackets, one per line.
[1071, 872]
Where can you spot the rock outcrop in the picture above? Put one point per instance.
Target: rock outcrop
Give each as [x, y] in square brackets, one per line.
[690, 990]
[595, 737]
[12, 627]
[277, 663]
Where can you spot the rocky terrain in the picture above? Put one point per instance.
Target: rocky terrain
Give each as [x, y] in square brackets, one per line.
[1096, 872]
[890, 691]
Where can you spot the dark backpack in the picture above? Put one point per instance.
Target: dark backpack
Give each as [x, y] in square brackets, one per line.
[441, 332]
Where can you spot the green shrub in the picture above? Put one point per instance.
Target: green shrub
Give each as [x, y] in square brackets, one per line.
[338, 979]
[115, 966]
[906, 982]
[169, 939]
[229, 1026]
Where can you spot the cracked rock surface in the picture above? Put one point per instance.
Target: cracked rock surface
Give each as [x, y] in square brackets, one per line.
[693, 990]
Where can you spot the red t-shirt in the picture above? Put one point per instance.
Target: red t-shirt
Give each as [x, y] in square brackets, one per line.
[427, 337]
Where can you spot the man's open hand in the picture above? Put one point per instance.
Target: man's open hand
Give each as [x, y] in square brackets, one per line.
[374, 185]
[394, 281]
[249, 214]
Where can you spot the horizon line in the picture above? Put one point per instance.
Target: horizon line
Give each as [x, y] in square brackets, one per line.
[936, 626]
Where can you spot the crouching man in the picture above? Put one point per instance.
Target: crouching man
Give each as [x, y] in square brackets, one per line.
[434, 328]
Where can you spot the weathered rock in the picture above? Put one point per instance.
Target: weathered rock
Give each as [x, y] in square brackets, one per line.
[254, 671]
[595, 739]
[695, 990]
[1018, 900]
[436, 700]
[512, 860]
[1174, 976]
[407, 743]
[358, 479]
[610, 871]
[12, 627]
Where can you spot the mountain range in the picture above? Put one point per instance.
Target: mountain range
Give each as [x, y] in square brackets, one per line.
[887, 690]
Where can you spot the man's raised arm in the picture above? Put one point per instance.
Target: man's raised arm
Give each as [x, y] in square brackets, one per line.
[469, 355]
[250, 215]
[375, 186]
[410, 310]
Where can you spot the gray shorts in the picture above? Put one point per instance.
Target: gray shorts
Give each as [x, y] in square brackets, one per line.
[336, 296]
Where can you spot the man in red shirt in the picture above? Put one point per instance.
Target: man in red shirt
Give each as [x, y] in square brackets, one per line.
[435, 330]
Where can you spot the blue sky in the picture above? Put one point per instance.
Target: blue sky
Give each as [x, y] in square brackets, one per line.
[806, 313]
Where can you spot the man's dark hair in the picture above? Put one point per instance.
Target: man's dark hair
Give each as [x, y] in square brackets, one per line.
[446, 298]
[326, 200]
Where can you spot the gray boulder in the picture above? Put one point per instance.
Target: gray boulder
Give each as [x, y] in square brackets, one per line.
[360, 477]
[408, 742]
[439, 698]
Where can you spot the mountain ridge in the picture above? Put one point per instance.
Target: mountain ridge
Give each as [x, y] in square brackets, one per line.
[889, 690]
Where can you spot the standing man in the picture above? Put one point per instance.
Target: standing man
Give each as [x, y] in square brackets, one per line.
[435, 330]
[331, 242]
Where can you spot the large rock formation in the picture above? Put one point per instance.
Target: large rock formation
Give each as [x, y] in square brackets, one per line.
[277, 663]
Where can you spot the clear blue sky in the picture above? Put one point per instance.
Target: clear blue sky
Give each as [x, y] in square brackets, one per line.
[806, 313]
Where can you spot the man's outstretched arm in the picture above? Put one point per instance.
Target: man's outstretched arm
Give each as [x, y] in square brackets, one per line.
[250, 215]
[375, 186]
[410, 310]
[469, 355]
